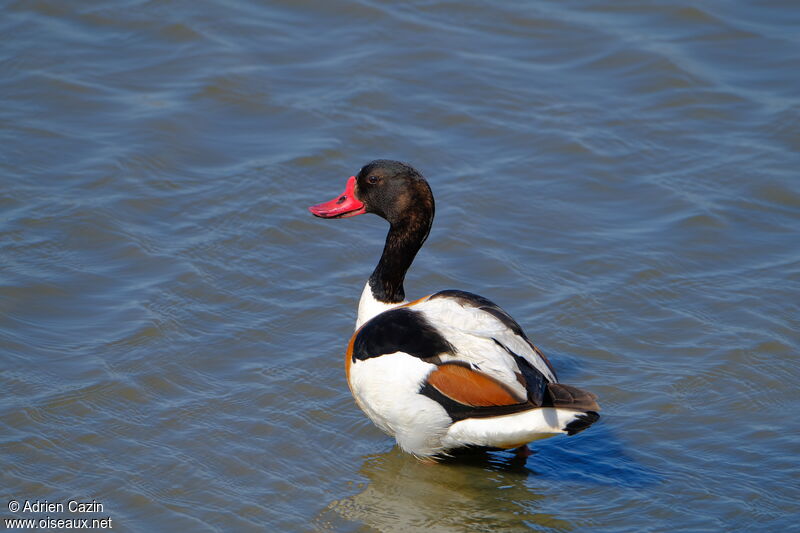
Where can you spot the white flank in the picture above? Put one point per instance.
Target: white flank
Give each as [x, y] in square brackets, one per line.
[509, 430]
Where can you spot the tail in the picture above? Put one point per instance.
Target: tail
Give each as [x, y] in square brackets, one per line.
[574, 399]
[564, 409]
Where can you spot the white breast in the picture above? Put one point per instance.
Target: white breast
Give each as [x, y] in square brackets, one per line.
[386, 389]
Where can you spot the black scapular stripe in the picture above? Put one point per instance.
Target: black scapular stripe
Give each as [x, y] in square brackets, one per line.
[399, 330]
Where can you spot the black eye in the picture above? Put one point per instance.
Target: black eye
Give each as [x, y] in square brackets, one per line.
[372, 179]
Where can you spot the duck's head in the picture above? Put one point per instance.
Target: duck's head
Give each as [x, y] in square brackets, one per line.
[390, 189]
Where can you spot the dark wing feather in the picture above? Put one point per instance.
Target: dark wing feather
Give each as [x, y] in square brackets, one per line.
[568, 397]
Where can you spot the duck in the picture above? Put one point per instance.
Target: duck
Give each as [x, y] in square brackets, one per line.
[451, 371]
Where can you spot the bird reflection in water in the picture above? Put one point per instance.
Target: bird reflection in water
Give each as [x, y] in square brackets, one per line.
[472, 491]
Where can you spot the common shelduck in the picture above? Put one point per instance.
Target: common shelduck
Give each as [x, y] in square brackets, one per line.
[450, 370]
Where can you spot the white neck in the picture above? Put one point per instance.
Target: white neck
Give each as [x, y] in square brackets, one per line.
[368, 306]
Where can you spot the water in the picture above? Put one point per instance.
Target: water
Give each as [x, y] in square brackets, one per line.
[621, 177]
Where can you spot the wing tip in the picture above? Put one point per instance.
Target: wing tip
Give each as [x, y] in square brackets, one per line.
[569, 397]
